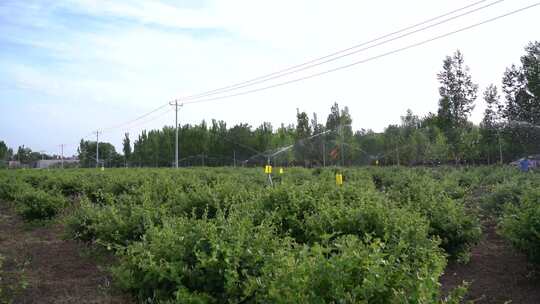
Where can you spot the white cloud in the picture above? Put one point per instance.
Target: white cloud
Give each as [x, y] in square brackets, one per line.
[144, 53]
[146, 12]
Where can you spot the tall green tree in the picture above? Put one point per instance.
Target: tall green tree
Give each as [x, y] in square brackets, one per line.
[218, 144]
[107, 154]
[438, 149]
[318, 142]
[340, 137]
[284, 137]
[458, 93]
[409, 123]
[491, 126]
[470, 145]
[521, 87]
[393, 141]
[413, 151]
[418, 152]
[302, 146]
[263, 137]
[241, 140]
[3, 150]
[370, 146]
[5, 154]
[26, 156]
[126, 147]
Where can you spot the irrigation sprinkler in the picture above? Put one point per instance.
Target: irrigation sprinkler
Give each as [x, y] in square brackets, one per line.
[522, 124]
[268, 171]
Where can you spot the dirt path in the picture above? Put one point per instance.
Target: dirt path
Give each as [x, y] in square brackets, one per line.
[497, 272]
[40, 267]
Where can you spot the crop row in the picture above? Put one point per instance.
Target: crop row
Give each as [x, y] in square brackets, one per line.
[223, 235]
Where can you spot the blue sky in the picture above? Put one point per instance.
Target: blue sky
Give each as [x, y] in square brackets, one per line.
[70, 67]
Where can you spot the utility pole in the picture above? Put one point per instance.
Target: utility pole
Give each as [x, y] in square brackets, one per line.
[42, 152]
[342, 140]
[175, 104]
[500, 147]
[397, 154]
[97, 149]
[324, 153]
[62, 154]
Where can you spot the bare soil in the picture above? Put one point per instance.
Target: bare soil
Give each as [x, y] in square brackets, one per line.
[41, 267]
[497, 272]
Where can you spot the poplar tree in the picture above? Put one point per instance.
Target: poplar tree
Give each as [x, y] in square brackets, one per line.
[127, 149]
[521, 87]
[458, 93]
[491, 124]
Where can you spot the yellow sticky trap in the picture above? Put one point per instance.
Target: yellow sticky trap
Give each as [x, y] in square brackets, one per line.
[102, 168]
[339, 179]
[268, 169]
[377, 162]
[280, 170]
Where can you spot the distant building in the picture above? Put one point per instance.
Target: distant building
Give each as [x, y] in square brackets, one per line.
[56, 163]
[13, 164]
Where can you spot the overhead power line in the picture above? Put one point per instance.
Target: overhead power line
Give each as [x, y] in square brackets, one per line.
[136, 123]
[312, 63]
[198, 97]
[345, 52]
[135, 119]
[126, 127]
[410, 46]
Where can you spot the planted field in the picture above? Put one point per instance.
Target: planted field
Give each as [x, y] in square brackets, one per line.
[224, 236]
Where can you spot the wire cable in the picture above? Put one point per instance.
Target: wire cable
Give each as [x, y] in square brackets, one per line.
[315, 62]
[129, 127]
[366, 60]
[135, 119]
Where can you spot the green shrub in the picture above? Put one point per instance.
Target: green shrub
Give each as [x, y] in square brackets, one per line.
[115, 224]
[520, 223]
[230, 259]
[448, 218]
[287, 206]
[351, 270]
[10, 188]
[69, 184]
[197, 260]
[218, 235]
[34, 204]
[509, 192]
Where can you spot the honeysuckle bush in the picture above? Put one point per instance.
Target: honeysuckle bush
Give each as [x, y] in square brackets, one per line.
[217, 235]
[290, 224]
[35, 204]
[520, 223]
[190, 259]
[448, 218]
[116, 224]
[501, 194]
[30, 203]
[119, 219]
[10, 187]
[234, 258]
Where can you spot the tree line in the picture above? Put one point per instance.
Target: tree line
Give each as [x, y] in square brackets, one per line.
[509, 130]
[24, 155]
